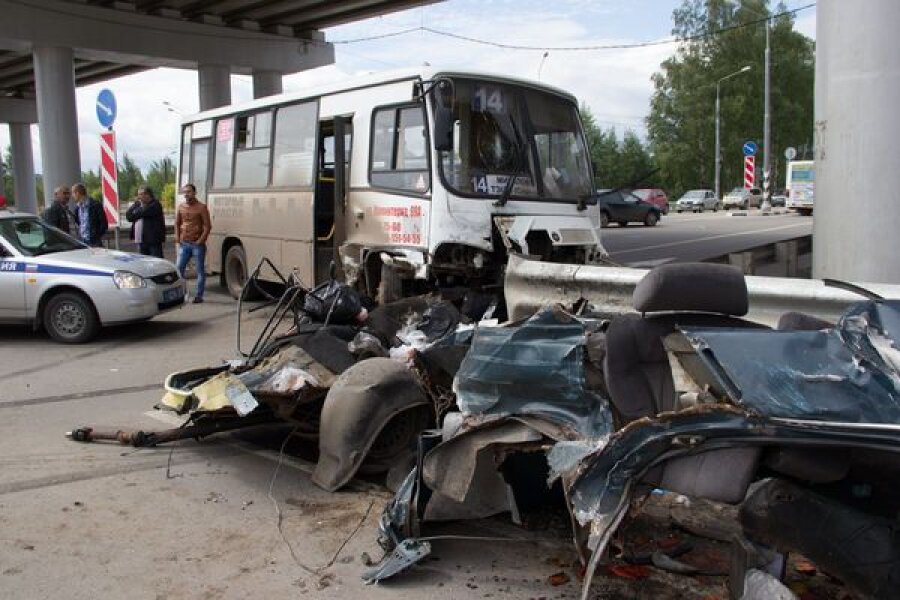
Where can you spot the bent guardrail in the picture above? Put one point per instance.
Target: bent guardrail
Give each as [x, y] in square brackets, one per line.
[531, 284]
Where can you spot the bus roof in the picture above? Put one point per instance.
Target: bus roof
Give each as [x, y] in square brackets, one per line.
[362, 81]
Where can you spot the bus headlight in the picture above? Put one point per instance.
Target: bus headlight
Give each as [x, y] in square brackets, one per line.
[126, 280]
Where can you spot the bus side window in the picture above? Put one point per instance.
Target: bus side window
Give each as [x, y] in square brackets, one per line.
[399, 156]
[294, 153]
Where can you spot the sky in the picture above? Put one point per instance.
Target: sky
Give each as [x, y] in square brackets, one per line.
[614, 84]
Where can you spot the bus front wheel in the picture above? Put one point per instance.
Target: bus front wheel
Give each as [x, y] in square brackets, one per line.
[234, 267]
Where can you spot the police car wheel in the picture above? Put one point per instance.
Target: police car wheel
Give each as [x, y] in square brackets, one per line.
[70, 318]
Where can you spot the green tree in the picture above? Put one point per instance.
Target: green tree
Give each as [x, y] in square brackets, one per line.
[130, 179]
[681, 124]
[161, 178]
[91, 181]
[616, 163]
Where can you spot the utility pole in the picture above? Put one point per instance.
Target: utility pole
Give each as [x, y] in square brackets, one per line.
[767, 127]
[718, 150]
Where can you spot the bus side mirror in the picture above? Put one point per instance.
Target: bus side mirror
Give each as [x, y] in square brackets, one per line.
[443, 115]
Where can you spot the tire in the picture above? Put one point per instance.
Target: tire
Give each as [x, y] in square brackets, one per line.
[234, 270]
[622, 223]
[70, 318]
[604, 219]
[651, 219]
[716, 207]
[746, 205]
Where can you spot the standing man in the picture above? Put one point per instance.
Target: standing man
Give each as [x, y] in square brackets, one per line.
[148, 224]
[192, 227]
[58, 214]
[89, 214]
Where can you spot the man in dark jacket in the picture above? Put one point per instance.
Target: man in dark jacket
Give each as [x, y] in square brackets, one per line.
[148, 224]
[58, 214]
[90, 217]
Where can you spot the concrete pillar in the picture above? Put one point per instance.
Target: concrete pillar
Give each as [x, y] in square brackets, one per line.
[266, 83]
[23, 167]
[857, 203]
[215, 86]
[54, 75]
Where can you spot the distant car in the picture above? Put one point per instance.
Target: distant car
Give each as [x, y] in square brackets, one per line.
[779, 198]
[697, 201]
[623, 207]
[743, 198]
[52, 280]
[654, 196]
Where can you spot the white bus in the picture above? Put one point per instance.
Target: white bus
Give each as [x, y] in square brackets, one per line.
[800, 186]
[442, 174]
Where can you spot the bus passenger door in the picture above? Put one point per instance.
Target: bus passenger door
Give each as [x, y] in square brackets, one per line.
[335, 140]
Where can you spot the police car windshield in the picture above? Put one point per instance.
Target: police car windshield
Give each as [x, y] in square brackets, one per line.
[31, 237]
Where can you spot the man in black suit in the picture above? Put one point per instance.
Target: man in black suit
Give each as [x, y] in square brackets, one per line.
[148, 227]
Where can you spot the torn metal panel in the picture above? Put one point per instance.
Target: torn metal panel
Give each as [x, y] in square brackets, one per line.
[537, 369]
[403, 556]
[835, 374]
[474, 477]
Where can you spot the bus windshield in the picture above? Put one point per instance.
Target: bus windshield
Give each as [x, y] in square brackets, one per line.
[502, 131]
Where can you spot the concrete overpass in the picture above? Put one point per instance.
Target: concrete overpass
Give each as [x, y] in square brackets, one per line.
[48, 47]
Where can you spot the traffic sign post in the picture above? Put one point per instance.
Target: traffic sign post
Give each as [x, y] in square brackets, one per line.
[109, 173]
[749, 171]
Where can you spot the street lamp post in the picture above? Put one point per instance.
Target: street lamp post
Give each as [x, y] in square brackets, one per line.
[767, 124]
[718, 151]
[767, 129]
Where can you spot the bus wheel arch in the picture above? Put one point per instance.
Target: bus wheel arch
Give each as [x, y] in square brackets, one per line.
[234, 267]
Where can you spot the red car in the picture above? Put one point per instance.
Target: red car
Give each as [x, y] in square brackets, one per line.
[654, 196]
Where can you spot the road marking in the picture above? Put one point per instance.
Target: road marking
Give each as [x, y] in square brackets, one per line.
[90, 395]
[708, 238]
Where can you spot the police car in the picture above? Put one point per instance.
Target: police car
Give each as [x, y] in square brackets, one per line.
[52, 280]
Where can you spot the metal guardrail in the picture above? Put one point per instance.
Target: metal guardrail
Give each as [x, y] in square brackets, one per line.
[531, 284]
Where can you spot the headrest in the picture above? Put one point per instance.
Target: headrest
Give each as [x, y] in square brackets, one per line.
[696, 287]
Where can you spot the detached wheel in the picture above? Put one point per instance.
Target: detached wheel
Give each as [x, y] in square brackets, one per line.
[651, 219]
[234, 269]
[70, 318]
[604, 219]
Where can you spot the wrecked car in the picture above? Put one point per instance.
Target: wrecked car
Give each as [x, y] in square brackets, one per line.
[799, 426]
[364, 383]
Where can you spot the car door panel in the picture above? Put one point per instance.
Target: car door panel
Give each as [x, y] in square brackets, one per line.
[12, 289]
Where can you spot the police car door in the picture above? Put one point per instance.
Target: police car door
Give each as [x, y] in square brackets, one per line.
[12, 285]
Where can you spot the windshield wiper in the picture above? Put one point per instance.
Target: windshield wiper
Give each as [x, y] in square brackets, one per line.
[520, 152]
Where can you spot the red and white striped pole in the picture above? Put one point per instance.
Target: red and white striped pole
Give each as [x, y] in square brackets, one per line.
[109, 180]
[749, 171]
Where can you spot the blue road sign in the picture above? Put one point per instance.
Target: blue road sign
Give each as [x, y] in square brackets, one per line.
[750, 148]
[106, 108]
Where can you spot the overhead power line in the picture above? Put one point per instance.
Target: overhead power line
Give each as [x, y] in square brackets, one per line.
[623, 46]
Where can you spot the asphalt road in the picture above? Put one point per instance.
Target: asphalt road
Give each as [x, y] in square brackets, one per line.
[693, 237]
